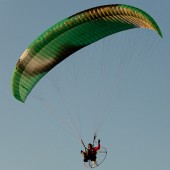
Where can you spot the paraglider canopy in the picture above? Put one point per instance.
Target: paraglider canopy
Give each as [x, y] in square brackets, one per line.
[70, 35]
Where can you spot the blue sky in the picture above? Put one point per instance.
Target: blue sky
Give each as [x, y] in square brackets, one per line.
[129, 101]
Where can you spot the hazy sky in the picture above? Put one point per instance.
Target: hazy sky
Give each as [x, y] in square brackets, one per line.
[119, 86]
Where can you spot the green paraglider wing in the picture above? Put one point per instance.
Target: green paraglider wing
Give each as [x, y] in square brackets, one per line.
[70, 35]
